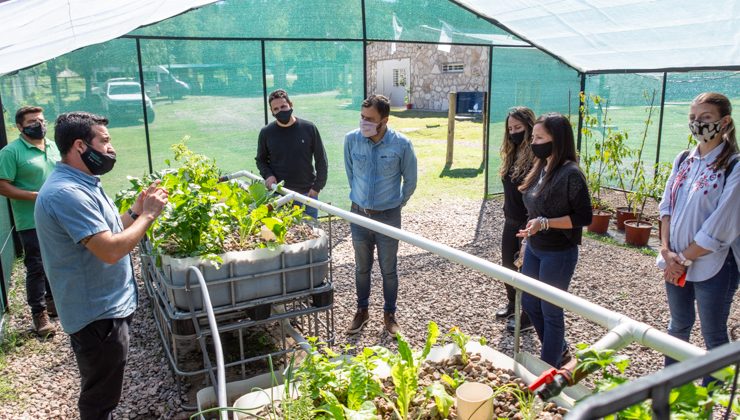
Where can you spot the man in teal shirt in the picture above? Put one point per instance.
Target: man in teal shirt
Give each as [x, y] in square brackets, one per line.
[24, 166]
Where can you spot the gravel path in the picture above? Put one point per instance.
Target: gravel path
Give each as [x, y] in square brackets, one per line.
[43, 374]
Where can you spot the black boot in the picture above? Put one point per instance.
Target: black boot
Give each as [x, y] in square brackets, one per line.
[525, 326]
[506, 311]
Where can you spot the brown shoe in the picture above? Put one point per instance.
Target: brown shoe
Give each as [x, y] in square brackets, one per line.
[42, 325]
[389, 318]
[358, 322]
[51, 308]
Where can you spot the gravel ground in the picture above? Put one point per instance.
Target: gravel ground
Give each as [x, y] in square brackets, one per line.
[45, 383]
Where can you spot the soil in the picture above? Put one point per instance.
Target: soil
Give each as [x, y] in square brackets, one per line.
[41, 377]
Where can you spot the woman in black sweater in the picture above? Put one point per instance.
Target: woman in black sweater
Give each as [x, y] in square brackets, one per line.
[558, 206]
[516, 161]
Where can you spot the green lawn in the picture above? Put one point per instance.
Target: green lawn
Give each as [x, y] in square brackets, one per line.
[226, 129]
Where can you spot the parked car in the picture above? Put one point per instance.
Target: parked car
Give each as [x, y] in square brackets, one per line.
[120, 99]
[160, 82]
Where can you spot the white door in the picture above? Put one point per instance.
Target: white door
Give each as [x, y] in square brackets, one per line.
[391, 77]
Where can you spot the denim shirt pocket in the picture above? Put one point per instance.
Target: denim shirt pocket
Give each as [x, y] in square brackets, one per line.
[390, 163]
[359, 161]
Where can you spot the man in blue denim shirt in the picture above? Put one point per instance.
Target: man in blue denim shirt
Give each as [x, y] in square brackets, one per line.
[85, 246]
[376, 159]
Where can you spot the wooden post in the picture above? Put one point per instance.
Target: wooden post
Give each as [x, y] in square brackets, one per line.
[451, 127]
[485, 123]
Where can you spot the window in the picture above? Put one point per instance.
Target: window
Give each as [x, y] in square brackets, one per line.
[453, 68]
[399, 77]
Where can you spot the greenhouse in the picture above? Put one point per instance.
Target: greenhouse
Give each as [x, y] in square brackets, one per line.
[623, 72]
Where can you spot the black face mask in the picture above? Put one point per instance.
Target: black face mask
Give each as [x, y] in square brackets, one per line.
[542, 151]
[517, 138]
[98, 163]
[283, 117]
[35, 131]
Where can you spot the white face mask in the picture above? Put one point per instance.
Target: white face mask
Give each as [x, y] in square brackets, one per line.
[705, 131]
[368, 128]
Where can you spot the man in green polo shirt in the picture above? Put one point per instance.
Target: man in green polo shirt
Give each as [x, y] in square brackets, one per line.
[24, 166]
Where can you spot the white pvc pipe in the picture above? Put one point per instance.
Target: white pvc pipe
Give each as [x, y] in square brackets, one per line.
[638, 331]
[220, 366]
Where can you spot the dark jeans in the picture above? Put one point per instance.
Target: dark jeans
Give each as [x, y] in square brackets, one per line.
[101, 349]
[37, 285]
[364, 242]
[713, 298]
[510, 245]
[309, 211]
[556, 269]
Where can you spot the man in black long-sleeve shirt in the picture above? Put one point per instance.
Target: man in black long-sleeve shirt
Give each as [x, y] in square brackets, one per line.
[288, 149]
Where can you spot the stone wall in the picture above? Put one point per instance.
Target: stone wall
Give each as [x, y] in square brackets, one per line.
[429, 85]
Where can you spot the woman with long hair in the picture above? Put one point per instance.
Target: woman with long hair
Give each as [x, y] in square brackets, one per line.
[516, 161]
[558, 207]
[700, 238]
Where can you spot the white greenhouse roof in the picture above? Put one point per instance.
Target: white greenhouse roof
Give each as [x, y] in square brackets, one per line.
[33, 31]
[633, 35]
[589, 35]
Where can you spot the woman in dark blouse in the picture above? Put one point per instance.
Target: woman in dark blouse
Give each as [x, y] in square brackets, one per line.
[558, 206]
[516, 161]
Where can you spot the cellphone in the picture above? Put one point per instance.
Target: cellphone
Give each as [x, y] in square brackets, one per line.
[681, 280]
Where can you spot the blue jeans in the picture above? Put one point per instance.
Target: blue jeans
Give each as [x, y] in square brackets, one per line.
[556, 269]
[37, 285]
[312, 211]
[364, 242]
[713, 298]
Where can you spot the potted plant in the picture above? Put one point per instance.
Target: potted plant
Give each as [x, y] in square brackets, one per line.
[407, 97]
[594, 161]
[618, 154]
[637, 231]
[408, 90]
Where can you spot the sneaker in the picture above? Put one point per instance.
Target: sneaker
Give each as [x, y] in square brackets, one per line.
[505, 312]
[51, 308]
[359, 321]
[526, 324]
[389, 319]
[42, 325]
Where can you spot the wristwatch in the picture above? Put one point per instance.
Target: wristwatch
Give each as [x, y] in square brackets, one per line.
[133, 215]
[684, 261]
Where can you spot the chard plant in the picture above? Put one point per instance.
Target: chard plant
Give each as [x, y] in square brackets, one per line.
[461, 340]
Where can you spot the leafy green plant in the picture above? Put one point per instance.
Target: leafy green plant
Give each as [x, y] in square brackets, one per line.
[442, 400]
[529, 405]
[461, 340]
[594, 158]
[689, 401]
[635, 171]
[660, 179]
[204, 216]
[453, 381]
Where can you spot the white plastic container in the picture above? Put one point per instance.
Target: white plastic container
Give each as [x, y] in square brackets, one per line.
[253, 273]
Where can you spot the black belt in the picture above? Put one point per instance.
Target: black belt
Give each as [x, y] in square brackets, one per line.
[366, 211]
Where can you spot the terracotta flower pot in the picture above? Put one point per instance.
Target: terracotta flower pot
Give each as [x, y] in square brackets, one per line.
[624, 214]
[637, 233]
[600, 222]
[409, 106]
